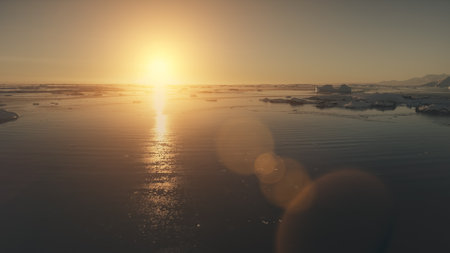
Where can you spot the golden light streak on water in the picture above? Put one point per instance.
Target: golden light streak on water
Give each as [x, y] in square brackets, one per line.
[159, 196]
[159, 101]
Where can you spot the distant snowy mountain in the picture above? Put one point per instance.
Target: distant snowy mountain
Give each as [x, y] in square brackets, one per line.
[444, 83]
[428, 80]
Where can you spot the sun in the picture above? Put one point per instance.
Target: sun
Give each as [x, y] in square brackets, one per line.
[159, 72]
[159, 77]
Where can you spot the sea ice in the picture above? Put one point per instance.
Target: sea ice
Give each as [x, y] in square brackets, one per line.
[423, 103]
[6, 116]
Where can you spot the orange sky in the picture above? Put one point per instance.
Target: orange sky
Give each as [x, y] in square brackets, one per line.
[222, 42]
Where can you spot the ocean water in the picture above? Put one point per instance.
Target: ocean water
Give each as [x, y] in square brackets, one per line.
[136, 169]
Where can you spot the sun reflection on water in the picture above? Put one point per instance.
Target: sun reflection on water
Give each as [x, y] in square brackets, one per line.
[159, 97]
[159, 196]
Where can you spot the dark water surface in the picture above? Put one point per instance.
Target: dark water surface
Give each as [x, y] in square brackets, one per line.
[131, 169]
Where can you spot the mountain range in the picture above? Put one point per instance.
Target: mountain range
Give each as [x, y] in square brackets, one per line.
[428, 80]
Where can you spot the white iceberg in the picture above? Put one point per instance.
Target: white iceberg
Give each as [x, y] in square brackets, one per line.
[343, 89]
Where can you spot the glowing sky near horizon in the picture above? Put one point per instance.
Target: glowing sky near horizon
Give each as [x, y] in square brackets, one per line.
[222, 42]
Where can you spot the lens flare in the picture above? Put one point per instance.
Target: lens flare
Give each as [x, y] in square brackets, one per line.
[343, 211]
[286, 188]
[240, 141]
[269, 168]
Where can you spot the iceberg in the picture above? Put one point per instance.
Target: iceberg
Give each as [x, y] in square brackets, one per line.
[343, 89]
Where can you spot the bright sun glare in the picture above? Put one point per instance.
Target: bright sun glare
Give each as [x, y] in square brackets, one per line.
[159, 73]
[159, 77]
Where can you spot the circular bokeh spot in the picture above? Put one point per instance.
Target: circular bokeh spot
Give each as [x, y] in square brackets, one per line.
[286, 188]
[345, 211]
[240, 141]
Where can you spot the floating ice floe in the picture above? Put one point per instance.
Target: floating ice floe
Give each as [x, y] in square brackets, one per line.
[434, 109]
[6, 116]
[291, 101]
[423, 103]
